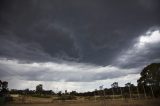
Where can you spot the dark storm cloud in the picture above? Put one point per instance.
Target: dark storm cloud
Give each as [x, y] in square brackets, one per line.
[93, 31]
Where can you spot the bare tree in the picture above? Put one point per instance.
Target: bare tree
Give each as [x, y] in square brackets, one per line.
[114, 86]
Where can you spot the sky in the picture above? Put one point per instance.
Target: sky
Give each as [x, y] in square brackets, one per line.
[77, 44]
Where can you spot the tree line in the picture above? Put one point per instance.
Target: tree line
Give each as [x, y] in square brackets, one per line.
[148, 85]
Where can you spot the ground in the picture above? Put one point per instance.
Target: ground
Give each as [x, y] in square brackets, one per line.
[143, 102]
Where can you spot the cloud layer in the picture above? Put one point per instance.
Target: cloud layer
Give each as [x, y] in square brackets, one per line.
[71, 76]
[68, 72]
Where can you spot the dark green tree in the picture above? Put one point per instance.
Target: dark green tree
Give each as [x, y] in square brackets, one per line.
[3, 87]
[39, 88]
[129, 85]
[150, 75]
[150, 79]
[114, 85]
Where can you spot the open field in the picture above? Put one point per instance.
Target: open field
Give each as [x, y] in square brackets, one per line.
[148, 102]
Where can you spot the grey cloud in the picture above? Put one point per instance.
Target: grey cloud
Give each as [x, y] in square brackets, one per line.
[141, 53]
[149, 4]
[23, 51]
[76, 72]
[85, 31]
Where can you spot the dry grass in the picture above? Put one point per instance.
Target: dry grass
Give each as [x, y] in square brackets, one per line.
[50, 102]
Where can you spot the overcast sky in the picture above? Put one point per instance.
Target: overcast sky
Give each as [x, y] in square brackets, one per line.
[77, 44]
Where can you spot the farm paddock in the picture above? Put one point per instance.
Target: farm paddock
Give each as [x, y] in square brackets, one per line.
[146, 102]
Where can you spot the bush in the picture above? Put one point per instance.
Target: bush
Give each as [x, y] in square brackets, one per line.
[5, 99]
[2, 100]
[41, 96]
[8, 99]
[67, 97]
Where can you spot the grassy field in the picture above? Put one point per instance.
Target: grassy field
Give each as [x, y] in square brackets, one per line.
[34, 101]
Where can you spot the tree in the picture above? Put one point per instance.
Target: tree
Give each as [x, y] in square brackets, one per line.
[73, 93]
[150, 75]
[150, 79]
[3, 87]
[114, 85]
[0, 85]
[129, 85]
[114, 88]
[39, 88]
